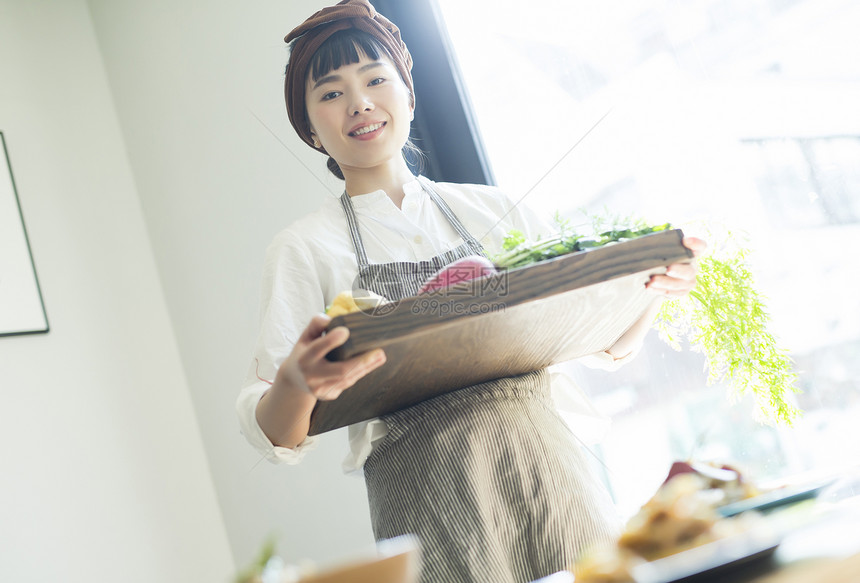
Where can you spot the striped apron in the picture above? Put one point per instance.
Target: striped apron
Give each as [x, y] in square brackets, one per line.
[489, 478]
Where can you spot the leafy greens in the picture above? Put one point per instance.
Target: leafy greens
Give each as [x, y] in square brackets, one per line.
[724, 317]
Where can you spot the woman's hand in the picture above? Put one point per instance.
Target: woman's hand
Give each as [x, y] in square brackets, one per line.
[306, 368]
[680, 278]
[305, 377]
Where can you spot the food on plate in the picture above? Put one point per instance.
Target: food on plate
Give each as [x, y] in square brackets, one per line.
[465, 269]
[726, 479]
[681, 515]
[518, 251]
[353, 301]
[673, 519]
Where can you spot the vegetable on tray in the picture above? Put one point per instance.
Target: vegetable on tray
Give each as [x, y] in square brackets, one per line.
[724, 317]
[350, 301]
[465, 269]
[519, 252]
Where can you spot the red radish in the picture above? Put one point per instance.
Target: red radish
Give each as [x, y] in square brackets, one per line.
[713, 473]
[471, 267]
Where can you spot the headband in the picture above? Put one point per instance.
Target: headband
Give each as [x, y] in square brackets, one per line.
[313, 32]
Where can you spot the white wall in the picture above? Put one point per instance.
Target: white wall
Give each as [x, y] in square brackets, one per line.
[103, 475]
[190, 78]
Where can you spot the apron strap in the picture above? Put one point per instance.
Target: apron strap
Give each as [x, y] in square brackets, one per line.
[452, 218]
[352, 221]
[358, 244]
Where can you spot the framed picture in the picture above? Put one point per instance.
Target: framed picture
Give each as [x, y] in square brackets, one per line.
[22, 310]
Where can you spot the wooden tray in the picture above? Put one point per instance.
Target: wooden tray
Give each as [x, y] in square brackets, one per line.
[507, 324]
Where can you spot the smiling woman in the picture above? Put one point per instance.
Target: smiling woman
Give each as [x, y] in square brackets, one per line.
[376, 40]
[466, 470]
[361, 114]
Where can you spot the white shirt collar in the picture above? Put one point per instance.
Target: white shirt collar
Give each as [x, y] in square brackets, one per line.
[378, 198]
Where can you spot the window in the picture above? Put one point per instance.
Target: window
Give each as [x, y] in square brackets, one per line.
[808, 182]
[740, 113]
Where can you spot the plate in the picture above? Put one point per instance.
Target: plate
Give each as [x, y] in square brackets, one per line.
[705, 562]
[773, 500]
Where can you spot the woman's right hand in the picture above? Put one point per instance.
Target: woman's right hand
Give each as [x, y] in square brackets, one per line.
[307, 369]
[305, 377]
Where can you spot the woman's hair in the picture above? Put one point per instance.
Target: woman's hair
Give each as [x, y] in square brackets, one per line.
[346, 47]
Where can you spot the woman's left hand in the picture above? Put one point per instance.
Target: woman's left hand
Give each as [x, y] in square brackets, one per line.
[680, 278]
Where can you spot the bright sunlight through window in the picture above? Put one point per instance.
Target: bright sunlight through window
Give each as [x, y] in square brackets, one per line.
[741, 115]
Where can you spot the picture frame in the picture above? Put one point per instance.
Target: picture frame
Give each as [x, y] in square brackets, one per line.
[22, 309]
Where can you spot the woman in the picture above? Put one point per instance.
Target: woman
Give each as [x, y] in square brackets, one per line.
[489, 477]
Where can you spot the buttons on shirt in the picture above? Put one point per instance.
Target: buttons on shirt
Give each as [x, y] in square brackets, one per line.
[422, 246]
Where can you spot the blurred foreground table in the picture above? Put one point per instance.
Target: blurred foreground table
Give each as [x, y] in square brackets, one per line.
[819, 540]
[826, 548]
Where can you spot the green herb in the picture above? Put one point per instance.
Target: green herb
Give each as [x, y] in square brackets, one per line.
[512, 239]
[519, 252]
[724, 317]
[252, 573]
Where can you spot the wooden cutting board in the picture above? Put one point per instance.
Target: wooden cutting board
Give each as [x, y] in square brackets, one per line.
[507, 324]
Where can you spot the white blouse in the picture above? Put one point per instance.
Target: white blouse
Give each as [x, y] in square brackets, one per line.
[312, 260]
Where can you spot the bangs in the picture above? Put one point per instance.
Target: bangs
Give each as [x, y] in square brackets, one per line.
[345, 47]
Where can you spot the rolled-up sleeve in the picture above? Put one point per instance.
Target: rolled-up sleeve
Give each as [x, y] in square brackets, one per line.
[246, 407]
[288, 272]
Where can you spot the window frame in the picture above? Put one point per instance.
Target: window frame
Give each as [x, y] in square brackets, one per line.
[445, 127]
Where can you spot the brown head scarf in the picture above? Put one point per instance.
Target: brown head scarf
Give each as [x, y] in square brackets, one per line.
[314, 31]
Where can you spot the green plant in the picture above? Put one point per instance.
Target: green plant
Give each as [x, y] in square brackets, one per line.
[519, 252]
[724, 317]
[253, 572]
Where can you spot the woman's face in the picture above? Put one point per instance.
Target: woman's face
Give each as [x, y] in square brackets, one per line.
[360, 112]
